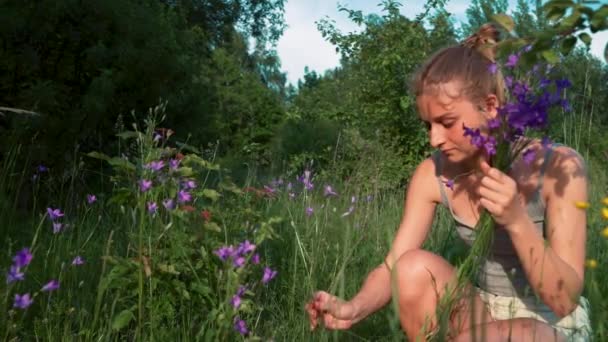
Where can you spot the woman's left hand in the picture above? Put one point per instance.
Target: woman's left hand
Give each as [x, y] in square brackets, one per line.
[500, 196]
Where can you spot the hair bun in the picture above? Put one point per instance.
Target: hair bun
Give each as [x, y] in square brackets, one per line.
[484, 41]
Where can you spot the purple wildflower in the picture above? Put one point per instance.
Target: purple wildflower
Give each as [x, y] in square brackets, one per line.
[57, 226]
[78, 260]
[240, 326]
[14, 274]
[289, 186]
[529, 155]
[477, 139]
[189, 184]
[54, 213]
[184, 196]
[241, 291]
[492, 68]
[50, 286]
[509, 81]
[490, 145]
[269, 274]
[239, 261]
[224, 252]
[235, 301]
[512, 61]
[42, 169]
[155, 165]
[450, 184]
[245, 248]
[22, 258]
[255, 259]
[563, 84]
[309, 211]
[329, 191]
[152, 207]
[174, 164]
[145, 185]
[494, 123]
[23, 301]
[169, 204]
[91, 199]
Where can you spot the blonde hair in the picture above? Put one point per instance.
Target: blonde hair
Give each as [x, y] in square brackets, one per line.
[468, 63]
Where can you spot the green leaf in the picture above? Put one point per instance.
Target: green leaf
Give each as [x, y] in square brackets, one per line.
[570, 21]
[98, 155]
[122, 163]
[212, 226]
[211, 194]
[558, 4]
[598, 21]
[129, 134]
[164, 268]
[586, 38]
[555, 14]
[550, 56]
[568, 45]
[122, 320]
[505, 21]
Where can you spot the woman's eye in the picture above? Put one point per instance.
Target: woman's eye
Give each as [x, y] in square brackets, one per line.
[448, 124]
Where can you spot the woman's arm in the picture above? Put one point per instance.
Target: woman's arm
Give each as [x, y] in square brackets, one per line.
[418, 212]
[555, 268]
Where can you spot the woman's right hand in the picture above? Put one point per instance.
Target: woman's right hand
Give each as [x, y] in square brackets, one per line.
[335, 313]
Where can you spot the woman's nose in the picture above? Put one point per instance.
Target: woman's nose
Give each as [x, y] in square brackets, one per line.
[436, 136]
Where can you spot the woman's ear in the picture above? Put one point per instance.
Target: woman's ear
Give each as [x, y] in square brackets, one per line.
[490, 106]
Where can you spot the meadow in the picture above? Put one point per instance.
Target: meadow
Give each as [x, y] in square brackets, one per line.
[171, 248]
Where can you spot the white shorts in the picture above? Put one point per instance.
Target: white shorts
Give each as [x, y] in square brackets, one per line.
[576, 326]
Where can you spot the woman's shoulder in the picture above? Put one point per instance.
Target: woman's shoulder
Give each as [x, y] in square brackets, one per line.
[425, 179]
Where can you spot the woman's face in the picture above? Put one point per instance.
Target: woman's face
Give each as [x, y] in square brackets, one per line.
[444, 113]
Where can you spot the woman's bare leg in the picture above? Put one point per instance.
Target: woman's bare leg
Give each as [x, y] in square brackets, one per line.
[422, 278]
[513, 330]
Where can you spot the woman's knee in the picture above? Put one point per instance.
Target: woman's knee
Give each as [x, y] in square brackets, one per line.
[418, 270]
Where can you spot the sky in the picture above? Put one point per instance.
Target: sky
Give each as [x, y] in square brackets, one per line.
[302, 44]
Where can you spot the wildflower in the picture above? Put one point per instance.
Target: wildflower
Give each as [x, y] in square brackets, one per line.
[492, 68]
[50, 286]
[57, 226]
[329, 191]
[224, 252]
[189, 184]
[512, 61]
[490, 145]
[605, 213]
[353, 199]
[605, 232]
[22, 258]
[289, 186]
[350, 210]
[241, 291]
[42, 169]
[605, 201]
[269, 274]
[309, 211]
[155, 165]
[206, 214]
[184, 196]
[246, 248]
[528, 156]
[78, 260]
[235, 301]
[581, 204]
[238, 262]
[255, 259]
[54, 213]
[23, 301]
[563, 84]
[591, 263]
[152, 207]
[174, 164]
[450, 184]
[169, 204]
[91, 199]
[145, 185]
[14, 274]
[240, 326]
[494, 123]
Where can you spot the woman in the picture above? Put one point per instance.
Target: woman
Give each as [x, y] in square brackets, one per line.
[539, 245]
